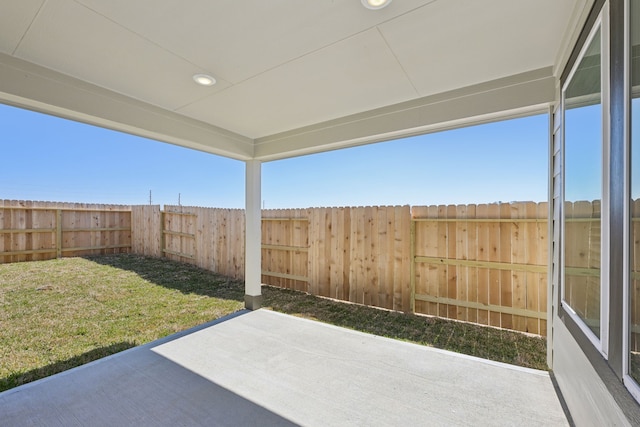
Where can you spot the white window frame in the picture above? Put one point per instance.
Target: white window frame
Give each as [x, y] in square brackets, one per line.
[602, 343]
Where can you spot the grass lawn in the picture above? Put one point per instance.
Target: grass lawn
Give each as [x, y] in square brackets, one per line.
[58, 314]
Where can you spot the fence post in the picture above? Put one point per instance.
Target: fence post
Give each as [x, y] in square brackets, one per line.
[162, 240]
[58, 233]
[412, 265]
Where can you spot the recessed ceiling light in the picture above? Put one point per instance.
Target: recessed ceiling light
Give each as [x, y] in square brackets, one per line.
[204, 79]
[375, 4]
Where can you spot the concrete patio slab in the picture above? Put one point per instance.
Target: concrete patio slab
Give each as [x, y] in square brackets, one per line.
[265, 368]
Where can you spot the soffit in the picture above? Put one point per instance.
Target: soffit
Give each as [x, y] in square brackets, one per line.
[470, 42]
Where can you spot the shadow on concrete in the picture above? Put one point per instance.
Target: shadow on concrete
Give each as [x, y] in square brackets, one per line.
[135, 387]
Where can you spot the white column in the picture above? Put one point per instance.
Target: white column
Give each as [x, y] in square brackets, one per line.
[253, 236]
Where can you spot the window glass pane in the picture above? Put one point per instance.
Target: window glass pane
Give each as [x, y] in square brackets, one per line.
[634, 277]
[583, 187]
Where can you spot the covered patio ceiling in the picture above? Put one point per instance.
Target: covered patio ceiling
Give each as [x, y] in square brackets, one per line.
[293, 77]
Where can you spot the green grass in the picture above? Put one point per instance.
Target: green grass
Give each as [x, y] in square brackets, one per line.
[58, 314]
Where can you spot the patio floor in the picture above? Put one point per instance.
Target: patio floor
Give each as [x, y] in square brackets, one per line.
[266, 368]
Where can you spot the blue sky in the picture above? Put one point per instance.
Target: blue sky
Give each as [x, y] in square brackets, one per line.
[47, 158]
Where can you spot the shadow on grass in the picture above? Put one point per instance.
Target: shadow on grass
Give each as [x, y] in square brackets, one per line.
[471, 339]
[20, 378]
[183, 277]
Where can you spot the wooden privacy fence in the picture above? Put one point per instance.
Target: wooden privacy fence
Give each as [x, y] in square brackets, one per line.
[482, 263]
[31, 231]
[358, 254]
[210, 238]
[478, 263]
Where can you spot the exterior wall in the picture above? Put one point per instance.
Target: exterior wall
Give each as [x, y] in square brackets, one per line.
[588, 399]
[590, 383]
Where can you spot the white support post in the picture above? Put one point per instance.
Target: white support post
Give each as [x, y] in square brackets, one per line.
[253, 236]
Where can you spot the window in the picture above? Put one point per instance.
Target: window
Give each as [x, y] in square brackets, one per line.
[634, 227]
[585, 154]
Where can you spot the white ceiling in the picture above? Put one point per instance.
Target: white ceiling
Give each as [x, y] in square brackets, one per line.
[281, 65]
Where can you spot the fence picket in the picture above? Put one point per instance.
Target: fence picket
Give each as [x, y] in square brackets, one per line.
[533, 254]
[483, 251]
[472, 254]
[461, 252]
[518, 256]
[506, 283]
